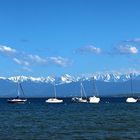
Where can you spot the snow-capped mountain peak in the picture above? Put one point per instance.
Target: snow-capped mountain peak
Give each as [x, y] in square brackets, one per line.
[67, 78]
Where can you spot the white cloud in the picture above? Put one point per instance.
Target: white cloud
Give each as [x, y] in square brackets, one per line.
[60, 61]
[89, 49]
[37, 59]
[126, 49]
[21, 62]
[7, 50]
[27, 69]
[28, 60]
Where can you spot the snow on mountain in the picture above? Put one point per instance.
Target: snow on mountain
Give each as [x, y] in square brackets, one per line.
[17, 78]
[115, 77]
[3, 78]
[65, 79]
[32, 79]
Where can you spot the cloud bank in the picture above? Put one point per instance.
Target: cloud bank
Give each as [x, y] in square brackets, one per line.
[27, 60]
[126, 49]
[89, 49]
[7, 50]
[60, 61]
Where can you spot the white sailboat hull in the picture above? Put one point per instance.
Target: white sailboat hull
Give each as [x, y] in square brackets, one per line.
[94, 99]
[131, 100]
[16, 100]
[53, 100]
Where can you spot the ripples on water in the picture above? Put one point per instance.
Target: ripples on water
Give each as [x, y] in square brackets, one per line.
[69, 121]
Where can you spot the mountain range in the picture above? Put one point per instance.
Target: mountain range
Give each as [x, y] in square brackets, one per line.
[108, 84]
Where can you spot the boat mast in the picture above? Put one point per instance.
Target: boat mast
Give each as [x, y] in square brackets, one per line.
[131, 84]
[81, 89]
[54, 87]
[18, 88]
[21, 89]
[95, 88]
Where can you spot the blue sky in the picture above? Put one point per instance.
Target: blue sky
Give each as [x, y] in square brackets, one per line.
[55, 37]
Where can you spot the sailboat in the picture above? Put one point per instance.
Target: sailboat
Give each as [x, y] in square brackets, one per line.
[54, 100]
[131, 99]
[94, 99]
[80, 99]
[18, 99]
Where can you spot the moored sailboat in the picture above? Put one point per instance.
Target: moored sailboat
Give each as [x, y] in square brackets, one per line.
[131, 99]
[94, 99]
[18, 99]
[80, 99]
[54, 99]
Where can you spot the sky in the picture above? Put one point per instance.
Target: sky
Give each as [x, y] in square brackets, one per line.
[56, 37]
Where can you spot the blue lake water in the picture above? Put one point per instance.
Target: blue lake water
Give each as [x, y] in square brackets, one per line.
[70, 121]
